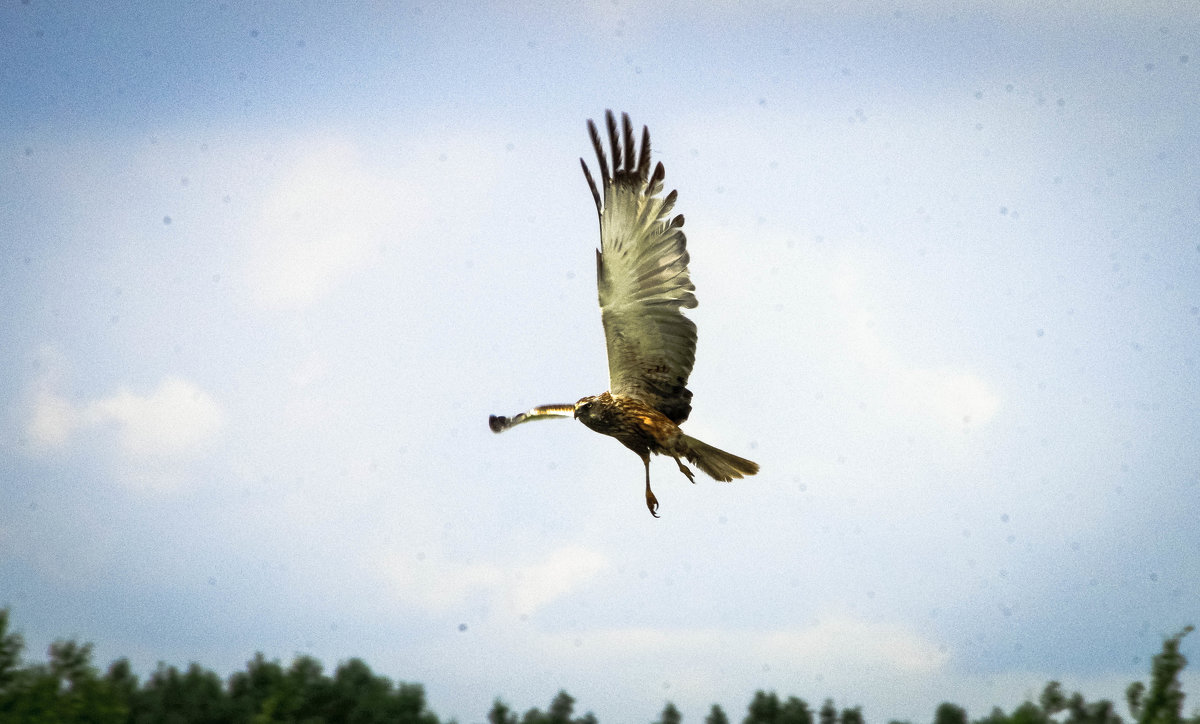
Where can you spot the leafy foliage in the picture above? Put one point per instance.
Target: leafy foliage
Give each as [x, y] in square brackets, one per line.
[1163, 701]
[716, 715]
[669, 715]
[68, 689]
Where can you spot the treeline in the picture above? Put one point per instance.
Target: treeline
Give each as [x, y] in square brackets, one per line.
[69, 689]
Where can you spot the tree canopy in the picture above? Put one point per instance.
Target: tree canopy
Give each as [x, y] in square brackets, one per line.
[68, 689]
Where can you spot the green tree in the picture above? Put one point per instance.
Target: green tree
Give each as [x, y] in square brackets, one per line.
[1163, 701]
[534, 716]
[250, 691]
[193, 697]
[669, 715]
[357, 694]
[71, 663]
[501, 713]
[1029, 713]
[794, 711]
[997, 716]
[828, 713]
[561, 709]
[763, 709]
[947, 713]
[11, 645]
[1081, 712]
[66, 689]
[854, 715]
[123, 684]
[265, 693]
[307, 692]
[1053, 700]
[716, 715]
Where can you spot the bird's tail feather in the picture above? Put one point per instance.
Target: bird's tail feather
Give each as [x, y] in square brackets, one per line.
[719, 464]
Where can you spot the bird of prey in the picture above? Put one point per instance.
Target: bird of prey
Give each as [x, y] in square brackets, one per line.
[642, 275]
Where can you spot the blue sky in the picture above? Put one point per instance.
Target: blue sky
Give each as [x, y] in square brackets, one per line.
[267, 269]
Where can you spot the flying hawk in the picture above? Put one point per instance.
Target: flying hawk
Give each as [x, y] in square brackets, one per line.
[641, 271]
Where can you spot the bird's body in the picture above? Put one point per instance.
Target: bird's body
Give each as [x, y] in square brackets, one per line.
[643, 283]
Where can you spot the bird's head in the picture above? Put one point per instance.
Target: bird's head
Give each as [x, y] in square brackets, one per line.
[586, 407]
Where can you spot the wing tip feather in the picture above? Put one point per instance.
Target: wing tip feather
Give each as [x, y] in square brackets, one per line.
[644, 158]
[627, 131]
[592, 185]
[598, 147]
[614, 140]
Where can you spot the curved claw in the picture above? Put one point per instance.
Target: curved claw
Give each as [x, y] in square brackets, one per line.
[651, 501]
[686, 471]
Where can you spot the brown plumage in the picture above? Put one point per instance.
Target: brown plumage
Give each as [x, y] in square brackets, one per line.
[643, 283]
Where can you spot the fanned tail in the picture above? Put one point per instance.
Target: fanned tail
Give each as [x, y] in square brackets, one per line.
[719, 464]
[500, 423]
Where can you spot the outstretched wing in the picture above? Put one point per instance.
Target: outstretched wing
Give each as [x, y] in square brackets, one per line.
[642, 275]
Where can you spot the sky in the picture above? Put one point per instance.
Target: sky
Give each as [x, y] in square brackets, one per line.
[267, 268]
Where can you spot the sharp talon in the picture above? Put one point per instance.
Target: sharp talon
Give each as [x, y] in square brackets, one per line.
[686, 471]
[651, 502]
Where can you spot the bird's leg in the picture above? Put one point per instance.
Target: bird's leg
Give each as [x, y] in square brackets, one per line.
[686, 471]
[651, 501]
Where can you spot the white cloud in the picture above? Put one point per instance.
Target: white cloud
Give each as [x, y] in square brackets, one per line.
[436, 584]
[954, 397]
[842, 642]
[836, 643]
[172, 421]
[562, 572]
[641, 16]
[51, 418]
[319, 223]
[51, 421]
